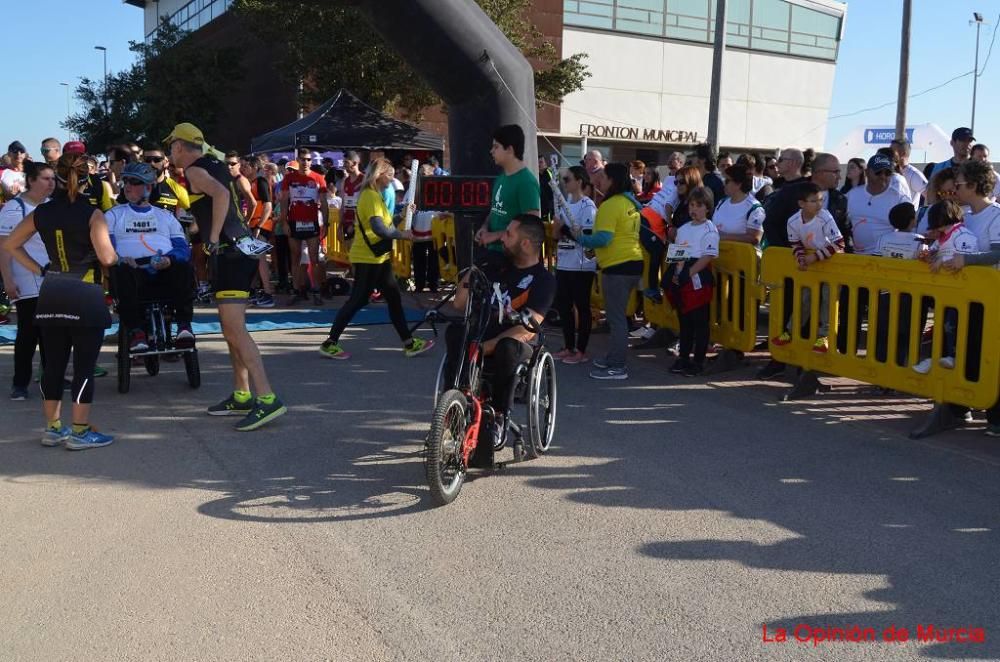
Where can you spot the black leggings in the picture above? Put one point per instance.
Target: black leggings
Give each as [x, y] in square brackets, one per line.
[27, 339]
[132, 286]
[503, 363]
[367, 279]
[85, 344]
[573, 292]
[425, 265]
[694, 333]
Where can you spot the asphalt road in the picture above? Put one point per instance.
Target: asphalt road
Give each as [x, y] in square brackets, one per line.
[674, 519]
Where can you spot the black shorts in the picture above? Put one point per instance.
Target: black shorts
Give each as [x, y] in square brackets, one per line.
[232, 274]
[302, 231]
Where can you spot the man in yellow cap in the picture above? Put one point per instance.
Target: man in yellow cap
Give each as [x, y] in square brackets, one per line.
[234, 262]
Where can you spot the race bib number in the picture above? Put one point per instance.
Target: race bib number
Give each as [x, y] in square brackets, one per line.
[677, 253]
[304, 227]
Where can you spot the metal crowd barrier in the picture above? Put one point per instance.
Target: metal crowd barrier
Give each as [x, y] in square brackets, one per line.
[898, 296]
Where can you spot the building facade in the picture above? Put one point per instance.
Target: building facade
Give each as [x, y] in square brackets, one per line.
[651, 67]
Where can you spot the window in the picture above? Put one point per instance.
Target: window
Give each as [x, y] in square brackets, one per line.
[776, 26]
[198, 13]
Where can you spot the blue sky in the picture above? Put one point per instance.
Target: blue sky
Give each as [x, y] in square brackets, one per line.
[942, 46]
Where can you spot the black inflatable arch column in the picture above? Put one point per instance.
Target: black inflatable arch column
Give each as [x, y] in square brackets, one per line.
[455, 46]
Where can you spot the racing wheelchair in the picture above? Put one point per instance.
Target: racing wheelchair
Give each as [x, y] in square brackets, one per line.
[158, 326]
[464, 415]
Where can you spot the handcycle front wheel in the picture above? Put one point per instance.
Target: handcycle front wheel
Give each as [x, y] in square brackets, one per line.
[443, 462]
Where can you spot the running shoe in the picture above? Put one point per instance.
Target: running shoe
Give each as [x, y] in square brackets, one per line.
[822, 345]
[89, 439]
[185, 337]
[782, 340]
[609, 373]
[601, 364]
[575, 358]
[100, 372]
[264, 300]
[563, 353]
[923, 367]
[317, 299]
[993, 430]
[55, 437]
[261, 414]
[230, 407]
[137, 342]
[18, 394]
[947, 362]
[678, 368]
[332, 350]
[417, 347]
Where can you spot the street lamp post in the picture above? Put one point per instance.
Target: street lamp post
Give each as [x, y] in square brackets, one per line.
[105, 51]
[69, 135]
[977, 18]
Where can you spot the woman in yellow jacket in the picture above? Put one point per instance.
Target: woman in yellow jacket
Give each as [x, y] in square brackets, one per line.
[615, 239]
[371, 256]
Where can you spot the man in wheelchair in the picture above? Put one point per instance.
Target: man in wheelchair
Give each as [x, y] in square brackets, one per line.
[519, 282]
[155, 260]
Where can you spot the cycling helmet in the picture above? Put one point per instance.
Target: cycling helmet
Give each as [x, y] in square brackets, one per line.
[141, 171]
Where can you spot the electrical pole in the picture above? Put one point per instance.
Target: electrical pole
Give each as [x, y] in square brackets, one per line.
[978, 20]
[904, 72]
[715, 99]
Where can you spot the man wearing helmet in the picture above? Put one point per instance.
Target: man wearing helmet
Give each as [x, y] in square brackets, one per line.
[155, 254]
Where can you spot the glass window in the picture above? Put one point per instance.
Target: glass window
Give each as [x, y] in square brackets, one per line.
[771, 14]
[689, 7]
[809, 21]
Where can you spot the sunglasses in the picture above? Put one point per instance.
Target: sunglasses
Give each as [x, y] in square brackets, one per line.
[306, 160]
[50, 149]
[154, 159]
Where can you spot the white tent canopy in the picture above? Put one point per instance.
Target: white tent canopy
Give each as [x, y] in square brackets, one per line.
[928, 142]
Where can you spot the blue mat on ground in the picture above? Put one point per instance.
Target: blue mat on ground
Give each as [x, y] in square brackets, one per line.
[263, 320]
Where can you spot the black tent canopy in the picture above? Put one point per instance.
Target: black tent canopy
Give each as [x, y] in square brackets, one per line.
[346, 122]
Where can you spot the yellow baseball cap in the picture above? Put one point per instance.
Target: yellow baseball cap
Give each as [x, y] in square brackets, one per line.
[187, 132]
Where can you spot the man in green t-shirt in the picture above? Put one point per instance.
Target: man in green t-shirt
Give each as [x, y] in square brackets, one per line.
[515, 190]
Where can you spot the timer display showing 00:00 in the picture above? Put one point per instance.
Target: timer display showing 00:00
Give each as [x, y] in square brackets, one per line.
[455, 193]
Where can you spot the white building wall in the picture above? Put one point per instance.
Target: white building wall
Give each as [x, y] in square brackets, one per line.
[768, 100]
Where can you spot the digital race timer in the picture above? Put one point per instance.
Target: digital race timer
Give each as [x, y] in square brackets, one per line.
[456, 193]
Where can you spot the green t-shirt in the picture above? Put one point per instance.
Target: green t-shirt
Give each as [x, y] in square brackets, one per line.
[512, 196]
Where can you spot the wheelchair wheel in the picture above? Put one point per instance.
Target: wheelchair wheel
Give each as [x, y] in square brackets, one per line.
[193, 369]
[124, 363]
[152, 364]
[443, 462]
[541, 405]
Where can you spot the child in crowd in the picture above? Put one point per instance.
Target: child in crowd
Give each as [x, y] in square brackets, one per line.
[814, 236]
[902, 243]
[425, 259]
[945, 225]
[690, 259]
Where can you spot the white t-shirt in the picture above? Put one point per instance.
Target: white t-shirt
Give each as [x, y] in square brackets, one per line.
[869, 216]
[571, 256]
[899, 245]
[958, 240]
[698, 240]
[11, 179]
[423, 222]
[737, 218]
[666, 196]
[985, 225]
[820, 232]
[142, 232]
[27, 283]
[759, 182]
[917, 183]
[899, 183]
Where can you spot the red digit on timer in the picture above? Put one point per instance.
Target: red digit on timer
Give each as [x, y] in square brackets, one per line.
[468, 194]
[447, 194]
[430, 197]
[483, 197]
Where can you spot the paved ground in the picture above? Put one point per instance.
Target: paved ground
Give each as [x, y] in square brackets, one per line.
[672, 521]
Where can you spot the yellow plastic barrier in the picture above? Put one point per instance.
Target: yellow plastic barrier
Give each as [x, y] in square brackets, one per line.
[893, 339]
[402, 259]
[336, 248]
[738, 293]
[446, 246]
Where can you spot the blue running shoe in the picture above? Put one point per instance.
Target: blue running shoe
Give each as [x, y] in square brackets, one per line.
[53, 437]
[89, 439]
